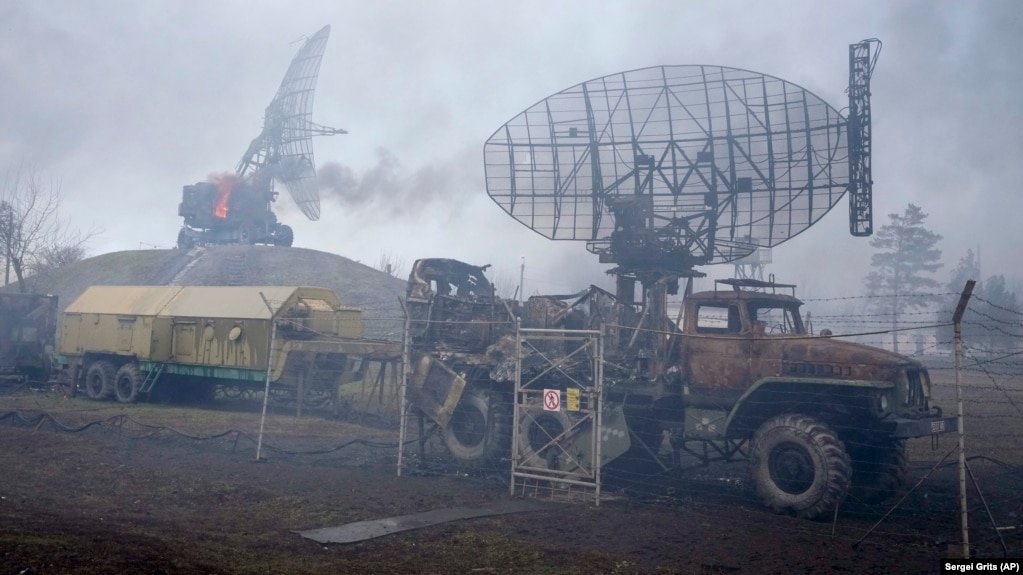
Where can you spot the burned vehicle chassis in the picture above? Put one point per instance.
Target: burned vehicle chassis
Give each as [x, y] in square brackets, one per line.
[817, 419]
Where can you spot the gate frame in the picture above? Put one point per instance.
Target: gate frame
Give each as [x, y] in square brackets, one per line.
[591, 405]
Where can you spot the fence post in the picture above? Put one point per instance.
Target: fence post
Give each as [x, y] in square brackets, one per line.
[269, 367]
[957, 318]
[405, 360]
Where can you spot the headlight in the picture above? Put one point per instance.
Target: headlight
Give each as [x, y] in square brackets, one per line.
[882, 402]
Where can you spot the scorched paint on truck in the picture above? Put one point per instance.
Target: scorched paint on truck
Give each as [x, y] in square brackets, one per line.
[817, 418]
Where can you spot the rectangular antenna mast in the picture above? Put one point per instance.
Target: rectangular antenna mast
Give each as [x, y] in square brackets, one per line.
[861, 66]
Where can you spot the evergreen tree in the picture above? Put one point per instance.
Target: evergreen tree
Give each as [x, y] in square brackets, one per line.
[995, 324]
[907, 255]
[968, 268]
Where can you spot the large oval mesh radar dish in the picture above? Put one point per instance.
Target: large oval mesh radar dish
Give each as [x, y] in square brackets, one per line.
[283, 151]
[671, 166]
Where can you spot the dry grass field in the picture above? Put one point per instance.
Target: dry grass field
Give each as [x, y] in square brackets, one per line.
[153, 488]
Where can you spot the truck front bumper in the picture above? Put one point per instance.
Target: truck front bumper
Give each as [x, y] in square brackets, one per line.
[904, 428]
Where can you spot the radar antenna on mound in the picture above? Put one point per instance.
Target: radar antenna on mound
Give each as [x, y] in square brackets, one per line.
[283, 151]
[238, 209]
[665, 168]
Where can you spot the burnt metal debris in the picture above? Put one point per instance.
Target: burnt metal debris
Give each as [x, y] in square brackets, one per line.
[28, 323]
[660, 170]
[739, 377]
[236, 208]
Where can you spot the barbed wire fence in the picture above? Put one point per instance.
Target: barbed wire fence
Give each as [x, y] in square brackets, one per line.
[363, 385]
[923, 504]
[924, 509]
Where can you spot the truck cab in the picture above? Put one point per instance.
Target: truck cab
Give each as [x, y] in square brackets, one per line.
[748, 354]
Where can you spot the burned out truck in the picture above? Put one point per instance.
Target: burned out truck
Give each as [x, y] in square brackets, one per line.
[739, 377]
[127, 342]
[28, 322]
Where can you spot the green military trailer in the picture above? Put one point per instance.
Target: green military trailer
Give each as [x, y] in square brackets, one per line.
[125, 342]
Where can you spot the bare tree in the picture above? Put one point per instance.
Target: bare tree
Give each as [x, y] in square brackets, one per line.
[32, 234]
[391, 264]
[52, 258]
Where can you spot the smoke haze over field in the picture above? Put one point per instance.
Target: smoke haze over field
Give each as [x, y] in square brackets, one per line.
[128, 101]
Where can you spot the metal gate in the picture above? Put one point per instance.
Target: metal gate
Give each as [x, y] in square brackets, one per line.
[556, 447]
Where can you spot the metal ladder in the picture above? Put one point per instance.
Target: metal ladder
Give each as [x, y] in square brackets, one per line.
[151, 377]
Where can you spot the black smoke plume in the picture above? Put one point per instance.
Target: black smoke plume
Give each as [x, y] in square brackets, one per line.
[388, 190]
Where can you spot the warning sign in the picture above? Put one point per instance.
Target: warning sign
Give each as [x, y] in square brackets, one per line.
[551, 400]
[572, 399]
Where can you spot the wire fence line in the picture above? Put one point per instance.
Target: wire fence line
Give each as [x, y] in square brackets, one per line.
[992, 370]
[992, 383]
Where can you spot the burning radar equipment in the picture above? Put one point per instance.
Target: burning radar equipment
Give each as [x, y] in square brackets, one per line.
[236, 208]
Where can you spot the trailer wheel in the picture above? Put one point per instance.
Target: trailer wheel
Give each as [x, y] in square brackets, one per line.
[799, 465]
[537, 427]
[99, 380]
[479, 430]
[879, 470]
[127, 383]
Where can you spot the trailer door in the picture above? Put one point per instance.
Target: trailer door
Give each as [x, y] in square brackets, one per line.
[70, 333]
[184, 341]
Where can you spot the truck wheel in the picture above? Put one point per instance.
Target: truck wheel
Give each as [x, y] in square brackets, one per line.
[537, 428]
[879, 470]
[185, 241]
[127, 383]
[284, 236]
[99, 380]
[799, 465]
[479, 430]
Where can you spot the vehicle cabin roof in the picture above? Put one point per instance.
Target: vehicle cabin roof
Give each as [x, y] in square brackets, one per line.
[244, 302]
[744, 295]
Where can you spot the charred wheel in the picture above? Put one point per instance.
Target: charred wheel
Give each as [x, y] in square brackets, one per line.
[99, 379]
[879, 470]
[127, 383]
[799, 465]
[538, 430]
[480, 428]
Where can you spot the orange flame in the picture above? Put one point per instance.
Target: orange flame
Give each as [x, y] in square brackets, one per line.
[225, 183]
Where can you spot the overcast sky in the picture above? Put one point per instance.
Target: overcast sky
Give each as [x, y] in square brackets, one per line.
[127, 101]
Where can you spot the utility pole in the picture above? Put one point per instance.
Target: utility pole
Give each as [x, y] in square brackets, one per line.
[522, 277]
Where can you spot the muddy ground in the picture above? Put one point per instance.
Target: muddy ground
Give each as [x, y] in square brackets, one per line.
[91, 487]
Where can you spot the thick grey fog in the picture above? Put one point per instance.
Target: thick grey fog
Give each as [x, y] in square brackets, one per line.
[126, 102]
